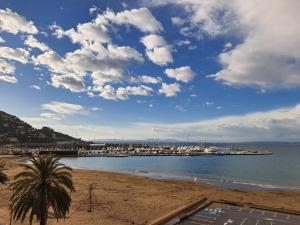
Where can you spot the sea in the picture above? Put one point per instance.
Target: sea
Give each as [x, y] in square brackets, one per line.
[280, 171]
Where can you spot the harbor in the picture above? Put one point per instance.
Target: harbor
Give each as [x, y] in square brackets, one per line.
[126, 150]
[165, 150]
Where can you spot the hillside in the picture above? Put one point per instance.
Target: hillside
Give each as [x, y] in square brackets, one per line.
[14, 130]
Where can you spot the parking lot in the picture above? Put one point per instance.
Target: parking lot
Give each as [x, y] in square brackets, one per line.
[225, 214]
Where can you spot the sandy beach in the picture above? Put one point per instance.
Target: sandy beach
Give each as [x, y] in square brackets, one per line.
[127, 199]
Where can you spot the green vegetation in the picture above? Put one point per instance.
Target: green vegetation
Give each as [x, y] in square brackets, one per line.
[44, 185]
[14, 130]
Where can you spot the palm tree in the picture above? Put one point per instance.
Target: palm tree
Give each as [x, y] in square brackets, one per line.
[46, 183]
[3, 176]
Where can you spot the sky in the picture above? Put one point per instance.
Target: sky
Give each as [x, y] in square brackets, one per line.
[192, 70]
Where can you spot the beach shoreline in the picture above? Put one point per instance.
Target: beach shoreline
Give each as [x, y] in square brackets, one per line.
[120, 198]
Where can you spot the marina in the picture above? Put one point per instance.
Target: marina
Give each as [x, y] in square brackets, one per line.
[126, 150]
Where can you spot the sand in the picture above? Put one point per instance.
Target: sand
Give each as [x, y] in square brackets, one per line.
[127, 199]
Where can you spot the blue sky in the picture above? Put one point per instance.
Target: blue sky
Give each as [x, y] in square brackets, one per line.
[206, 70]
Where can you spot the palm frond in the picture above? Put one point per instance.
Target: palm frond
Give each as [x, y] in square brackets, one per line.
[45, 183]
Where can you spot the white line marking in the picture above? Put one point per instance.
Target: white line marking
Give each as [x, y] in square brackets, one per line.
[228, 222]
[263, 212]
[288, 217]
[251, 211]
[209, 217]
[244, 221]
[192, 218]
[257, 222]
[275, 214]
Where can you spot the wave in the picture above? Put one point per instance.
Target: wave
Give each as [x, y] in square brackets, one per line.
[218, 182]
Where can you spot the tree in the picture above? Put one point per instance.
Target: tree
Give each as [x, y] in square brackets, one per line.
[45, 184]
[3, 176]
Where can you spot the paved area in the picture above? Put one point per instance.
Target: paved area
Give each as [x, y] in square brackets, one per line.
[225, 214]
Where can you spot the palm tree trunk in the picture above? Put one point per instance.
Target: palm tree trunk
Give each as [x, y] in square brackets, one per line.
[44, 210]
[43, 221]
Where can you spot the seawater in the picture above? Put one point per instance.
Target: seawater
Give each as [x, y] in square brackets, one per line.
[281, 170]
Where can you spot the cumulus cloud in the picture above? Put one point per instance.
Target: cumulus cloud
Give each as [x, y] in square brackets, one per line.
[6, 72]
[184, 74]
[105, 64]
[169, 90]
[9, 79]
[16, 54]
[178, 21]
[93, 9]
[73, 83]
[34, 43]
[58, 110]
[267, 55]
[88, 34]
[122, 93]
[145, 79]
[157, 50]
[6, 68]
[141, 18]
[14, 23]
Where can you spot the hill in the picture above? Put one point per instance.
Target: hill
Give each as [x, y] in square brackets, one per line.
[14, 130]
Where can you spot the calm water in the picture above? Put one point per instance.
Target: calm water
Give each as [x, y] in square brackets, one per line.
[280, 170]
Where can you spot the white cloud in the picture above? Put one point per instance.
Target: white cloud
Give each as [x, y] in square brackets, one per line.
[178, 21]
[202, 17]
[280, 125]
[105, 64]
[93, 9]
[109, 92]
[2, 40]
[96, 109]
[58, 31]
[157, 50]
[14, 23]
[34, 43]
[152, 41]
[9, 79]
[36, 87]
[145, 79]
[6, 72]
[170, 90]
[227, 46]
[88, 34]
[61, 109]
[267, 54]
[208, 103]
[51, 116]
[140, 18]
[182, 42]
[160, 56]
[184, 74]
[17, 54]
[71, 82]
[122, 93]
[141, 90]
[6, 68]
